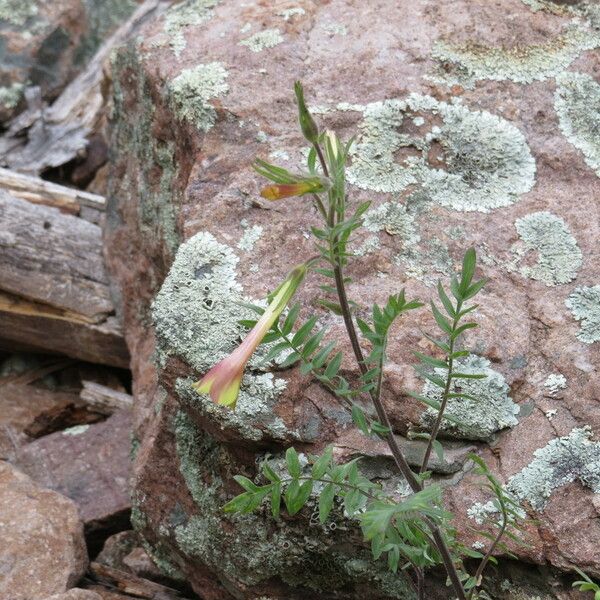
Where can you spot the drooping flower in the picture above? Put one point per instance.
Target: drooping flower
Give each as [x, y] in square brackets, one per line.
[223, 381]
[309, 185]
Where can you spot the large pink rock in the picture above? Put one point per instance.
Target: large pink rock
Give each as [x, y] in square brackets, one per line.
[473, 130]
[43, 551]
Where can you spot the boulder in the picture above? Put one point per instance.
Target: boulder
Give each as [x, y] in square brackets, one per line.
[472, 130]
[89, 464]
[43, 550]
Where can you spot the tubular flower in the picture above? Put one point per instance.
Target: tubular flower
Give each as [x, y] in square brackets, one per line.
[223, 381]
[307, 123]
[308, 185]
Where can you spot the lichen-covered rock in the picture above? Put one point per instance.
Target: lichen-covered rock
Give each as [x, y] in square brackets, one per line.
[501, 160]
[47, 42]
[43, 550]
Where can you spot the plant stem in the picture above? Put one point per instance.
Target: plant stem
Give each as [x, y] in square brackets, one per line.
[488, 554]
[348, 486]
[438, 422]
[397, 453]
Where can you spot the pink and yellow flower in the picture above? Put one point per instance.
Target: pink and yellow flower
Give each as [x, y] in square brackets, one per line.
[223, 381]
[310, 185]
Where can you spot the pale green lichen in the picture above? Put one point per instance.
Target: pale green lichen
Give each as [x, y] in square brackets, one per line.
[492, 409]
[17, 12]
[191, 91]
[588, 10]
[76, 430]
[522, 64]
[488, 162]
[333, 28]
[262, 40]
[11, 95]
[561, 461]
[185, 14]
[248, 550]
[254, 417]
[554, 383]
[584, 303]
[250, 236]
[559, 256]
[577, 104]
[288, 13]
[393, 218]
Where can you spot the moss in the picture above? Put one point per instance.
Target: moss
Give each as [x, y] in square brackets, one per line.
[488, 162]
[561, 461]
[262, 40]
[191, 90]
[17, 12]
[584, 303]
[132, 137]
[473, 62]
[11, 95]
[248, 550]
[554, 383]
[185, 14]
[559, 256]
[492, 409]
[577, 104]
[103, 16]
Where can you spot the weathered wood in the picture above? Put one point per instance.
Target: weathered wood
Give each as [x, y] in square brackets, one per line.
[48, 137]
[103, 399]
[54, 293]
[38, 191]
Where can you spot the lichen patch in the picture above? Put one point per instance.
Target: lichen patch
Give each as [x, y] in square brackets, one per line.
[183, 15]
[577, 104]
[17, 12]
[559, 256]
[492, 411]
[11, 95]
[268, 38]
[584, 303]
[561, 461]
[191, 91]
[473, 62]
[487, 161]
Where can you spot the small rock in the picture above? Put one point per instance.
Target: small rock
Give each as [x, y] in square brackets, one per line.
[43, 550]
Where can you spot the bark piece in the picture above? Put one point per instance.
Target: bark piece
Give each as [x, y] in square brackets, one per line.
[54, 293]
[43, 549]
[103, 399]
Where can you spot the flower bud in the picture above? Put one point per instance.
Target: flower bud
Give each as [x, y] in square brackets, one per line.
[309, 128]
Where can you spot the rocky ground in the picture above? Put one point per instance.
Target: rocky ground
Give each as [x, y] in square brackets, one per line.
[132, 227]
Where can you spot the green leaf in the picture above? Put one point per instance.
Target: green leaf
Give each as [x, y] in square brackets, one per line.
[468, 269]
[334, 366]
[304, 331]
[445, 300]
[276, 499]
[442, 322]
[246, 483]
[289, 360]
[435, 379]
[312, 160]
[321, 356]
[322, 463]
[468, 376]
[434, 362]
[290, 320]
[334, 307]
[293, 463]
[474, 289]
[461, 329]
[358, 416]
[313, 343]
[326, 502]
[269, 473]
[275, 351]
[439, 450]
[298, 497]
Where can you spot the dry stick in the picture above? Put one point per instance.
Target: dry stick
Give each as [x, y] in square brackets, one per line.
[397, 454]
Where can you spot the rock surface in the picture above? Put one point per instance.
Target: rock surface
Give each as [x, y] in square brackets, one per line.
[46, 43]
[90, 465]
[43, 550]
[76, 594]
[464, 139]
